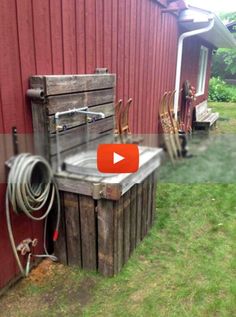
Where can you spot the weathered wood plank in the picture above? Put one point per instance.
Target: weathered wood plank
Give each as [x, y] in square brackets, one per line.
[78, 100]
[60, 248]
[73, 185]
[99, 127]
[139, 213]
[126, 204]
[37, 82]
[149, 201]
[105, 237]
[64, 84]
[72, 121]
[73, 241]
[82, 134]
[154, 193]
[118, 236]
[133, 218]
[88, 232]
[144, 210]
[40, 127]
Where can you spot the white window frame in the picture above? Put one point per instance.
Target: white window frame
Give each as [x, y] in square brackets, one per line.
[202, 69]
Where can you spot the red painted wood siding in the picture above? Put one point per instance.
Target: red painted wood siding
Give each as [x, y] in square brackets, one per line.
[130, 37]
[191, 53]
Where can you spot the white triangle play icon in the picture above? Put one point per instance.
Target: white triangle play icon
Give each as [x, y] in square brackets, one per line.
[117, 158]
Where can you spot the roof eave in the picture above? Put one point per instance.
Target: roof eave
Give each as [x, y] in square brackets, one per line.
[219, 36]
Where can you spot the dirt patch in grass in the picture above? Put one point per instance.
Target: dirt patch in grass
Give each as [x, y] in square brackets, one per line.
[80, 294]
[50, 290]
[84, 294]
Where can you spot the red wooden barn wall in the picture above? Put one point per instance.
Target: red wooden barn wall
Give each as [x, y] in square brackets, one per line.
[129, 37]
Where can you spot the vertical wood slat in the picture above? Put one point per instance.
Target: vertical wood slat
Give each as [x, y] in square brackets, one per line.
[137, 63]
[120, 49]
[90, 31]
[142, 70]
[126, 204]
[153, 68]
[107, 30]
[105, 237]
[118, 235]
[100, 12]
[149, 201]
[42, 36]
[146, 74]
[126, 51]
[26, 55]
[132, 65]
[133, 217]
[154, 193]
[114, 35]
[56, 36]
[69, 36]
[41, 137]
[144, 210]
[80, 36]
[139, 213]
[88, 232]
[71, 208]
[60, 247]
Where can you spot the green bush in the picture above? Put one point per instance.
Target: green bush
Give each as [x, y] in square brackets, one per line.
[220, 91]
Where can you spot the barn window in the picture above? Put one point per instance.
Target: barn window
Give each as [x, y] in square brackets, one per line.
[202, 69]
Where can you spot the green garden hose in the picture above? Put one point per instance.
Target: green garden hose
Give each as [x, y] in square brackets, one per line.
[30, 188]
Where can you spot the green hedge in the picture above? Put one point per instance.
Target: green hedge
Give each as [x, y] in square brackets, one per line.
[220, 91]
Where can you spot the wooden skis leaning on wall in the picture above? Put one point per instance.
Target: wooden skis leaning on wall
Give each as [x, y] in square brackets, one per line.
[168, 130]
[175, 125]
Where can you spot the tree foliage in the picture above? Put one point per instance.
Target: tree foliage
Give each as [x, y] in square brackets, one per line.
[224, 63]
[228, 17]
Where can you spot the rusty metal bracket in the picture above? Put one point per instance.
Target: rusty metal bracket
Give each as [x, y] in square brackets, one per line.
[101, 71]
[97, 192]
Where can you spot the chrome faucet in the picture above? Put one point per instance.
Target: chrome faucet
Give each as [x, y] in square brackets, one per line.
[91, 113]
[84, 111]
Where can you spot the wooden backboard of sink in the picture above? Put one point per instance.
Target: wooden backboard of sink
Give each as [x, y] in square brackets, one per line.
[64, 92]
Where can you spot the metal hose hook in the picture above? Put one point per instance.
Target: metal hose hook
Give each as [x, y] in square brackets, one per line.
[30, 188]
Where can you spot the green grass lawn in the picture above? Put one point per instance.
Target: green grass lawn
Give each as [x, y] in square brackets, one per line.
[227, 122]
[186, 266]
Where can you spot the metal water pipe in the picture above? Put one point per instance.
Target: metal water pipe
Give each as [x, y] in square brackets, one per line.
[84, 111]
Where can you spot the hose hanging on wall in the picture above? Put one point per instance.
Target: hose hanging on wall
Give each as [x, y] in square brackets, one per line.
[30, 188]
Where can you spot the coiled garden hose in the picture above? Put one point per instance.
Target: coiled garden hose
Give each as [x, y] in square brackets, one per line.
[31, 187]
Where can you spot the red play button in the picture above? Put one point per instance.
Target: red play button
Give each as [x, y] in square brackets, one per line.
[117, 158]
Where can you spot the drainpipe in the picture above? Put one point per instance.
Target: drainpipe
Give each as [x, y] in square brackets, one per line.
[179, 59]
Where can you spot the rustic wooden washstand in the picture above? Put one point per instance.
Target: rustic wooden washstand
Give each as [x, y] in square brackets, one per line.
[104, 216]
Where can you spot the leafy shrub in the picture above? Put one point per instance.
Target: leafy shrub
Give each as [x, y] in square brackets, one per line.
[220, 91]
